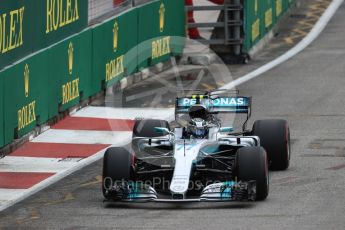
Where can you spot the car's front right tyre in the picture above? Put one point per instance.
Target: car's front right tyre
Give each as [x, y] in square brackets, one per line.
[117, 167]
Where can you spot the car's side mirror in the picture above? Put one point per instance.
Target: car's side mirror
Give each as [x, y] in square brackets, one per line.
[162, 131]
[226, 129]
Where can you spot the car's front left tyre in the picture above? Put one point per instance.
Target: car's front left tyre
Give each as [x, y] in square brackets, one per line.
[252, 165]
[275, 139]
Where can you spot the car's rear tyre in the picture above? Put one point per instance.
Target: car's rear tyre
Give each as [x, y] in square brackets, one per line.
[117, 166]
[275, 138]
[146, 127]
[251, 164]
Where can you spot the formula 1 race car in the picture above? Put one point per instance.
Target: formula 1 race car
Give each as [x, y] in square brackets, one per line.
[198, 160]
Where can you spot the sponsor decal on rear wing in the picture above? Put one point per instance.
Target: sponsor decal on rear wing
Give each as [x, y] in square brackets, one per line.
[215, 105]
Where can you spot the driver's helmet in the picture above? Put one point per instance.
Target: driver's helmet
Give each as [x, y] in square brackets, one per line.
[198, 111]
[198, 128]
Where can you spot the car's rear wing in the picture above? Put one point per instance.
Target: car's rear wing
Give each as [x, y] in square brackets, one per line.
[215, 105]
[216, 102]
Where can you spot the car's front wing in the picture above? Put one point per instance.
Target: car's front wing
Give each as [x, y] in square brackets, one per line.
[218, 192]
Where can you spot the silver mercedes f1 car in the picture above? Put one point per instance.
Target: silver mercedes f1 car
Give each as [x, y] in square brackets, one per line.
[199, 159]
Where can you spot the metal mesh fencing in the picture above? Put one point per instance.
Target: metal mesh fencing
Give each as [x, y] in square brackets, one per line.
[100, 10]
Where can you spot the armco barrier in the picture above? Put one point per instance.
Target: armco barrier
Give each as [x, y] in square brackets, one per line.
[27, 26]
[53, 80]
[114, 50]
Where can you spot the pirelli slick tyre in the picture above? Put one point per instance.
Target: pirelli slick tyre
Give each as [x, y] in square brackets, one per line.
[117, 166]
[275, 138]
[252, 165]
[145, 128]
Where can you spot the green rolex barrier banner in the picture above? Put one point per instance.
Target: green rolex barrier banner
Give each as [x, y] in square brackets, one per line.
[16, 29]
[267, 15]
[260, 16]
[26, 96]
[252, 23]
[114, 50]
[70, 71]
[279, 8]
[157, 27]
[175, 16]
[53, 80]
[287, 4]
[153, 40]
[60, 19]
[31, 25]
[2, 130]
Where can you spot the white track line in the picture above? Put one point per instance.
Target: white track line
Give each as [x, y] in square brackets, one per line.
[34, 164]
[118, 138]
[6, 195]
[310, 38]
[125, 113]
[318, 28]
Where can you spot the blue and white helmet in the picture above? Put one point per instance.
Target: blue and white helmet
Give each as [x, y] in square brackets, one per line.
[198, 128]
